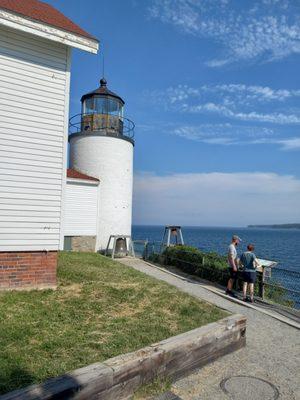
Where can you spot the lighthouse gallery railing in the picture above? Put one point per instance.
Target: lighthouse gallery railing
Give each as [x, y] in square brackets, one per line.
[105, 123]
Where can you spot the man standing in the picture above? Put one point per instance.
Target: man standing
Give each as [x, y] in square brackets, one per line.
[233, 264]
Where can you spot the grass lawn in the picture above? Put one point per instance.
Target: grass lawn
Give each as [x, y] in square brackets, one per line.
[100, 309]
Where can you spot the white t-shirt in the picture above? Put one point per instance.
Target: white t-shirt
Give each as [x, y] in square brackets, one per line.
[232, 253]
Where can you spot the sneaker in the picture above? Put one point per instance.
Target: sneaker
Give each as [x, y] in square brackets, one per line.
[230, 293]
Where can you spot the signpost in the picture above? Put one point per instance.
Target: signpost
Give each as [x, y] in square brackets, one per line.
[265, 269]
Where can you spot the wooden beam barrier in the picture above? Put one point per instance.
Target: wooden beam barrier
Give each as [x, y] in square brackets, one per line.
[119, 377]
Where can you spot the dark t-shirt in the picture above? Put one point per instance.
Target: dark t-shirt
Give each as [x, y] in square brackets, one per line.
[248, 261]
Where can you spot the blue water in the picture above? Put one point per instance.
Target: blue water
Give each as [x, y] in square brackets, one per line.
[281, 245]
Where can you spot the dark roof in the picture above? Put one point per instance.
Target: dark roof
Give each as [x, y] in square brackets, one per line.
[102, 90]
[72, 173]
[43, 12]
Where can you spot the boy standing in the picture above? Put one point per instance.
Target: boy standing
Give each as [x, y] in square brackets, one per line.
[249, 263]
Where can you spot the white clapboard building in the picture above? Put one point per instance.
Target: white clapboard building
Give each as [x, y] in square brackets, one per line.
[35, 57]
[82, 199]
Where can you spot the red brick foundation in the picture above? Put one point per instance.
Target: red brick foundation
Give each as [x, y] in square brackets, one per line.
[28, 270]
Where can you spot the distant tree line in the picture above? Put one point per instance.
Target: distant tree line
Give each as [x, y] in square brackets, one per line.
[277, 226]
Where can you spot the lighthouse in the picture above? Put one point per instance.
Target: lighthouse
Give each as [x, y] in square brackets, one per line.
[101, 145]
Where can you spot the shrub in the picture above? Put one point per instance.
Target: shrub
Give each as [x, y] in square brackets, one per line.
[186, 258]
[210, 266]
[155, 258]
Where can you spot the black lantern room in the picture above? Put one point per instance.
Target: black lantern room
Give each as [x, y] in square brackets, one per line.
[102, 111]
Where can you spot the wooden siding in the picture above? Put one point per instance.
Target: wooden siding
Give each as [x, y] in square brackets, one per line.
[34, 90]
[81, 209]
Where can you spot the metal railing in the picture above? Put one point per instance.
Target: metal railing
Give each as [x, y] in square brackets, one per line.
[140, 247]
[281, 286]
[103, 123]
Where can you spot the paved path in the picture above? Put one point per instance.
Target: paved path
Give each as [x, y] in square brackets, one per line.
[272, 352]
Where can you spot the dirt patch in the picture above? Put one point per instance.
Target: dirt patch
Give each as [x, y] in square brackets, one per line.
[73, 290]
[128, 311]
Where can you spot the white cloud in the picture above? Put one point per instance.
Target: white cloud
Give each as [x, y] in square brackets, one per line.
[218, 63]
[172, 95]
[220, 199]
[235, 135]
[268, 28]
[246, 93]
[290, 144]
[266, 115]
[234, 101]
[224, 134]
[228, 134]
[177, 12]
[276, 118]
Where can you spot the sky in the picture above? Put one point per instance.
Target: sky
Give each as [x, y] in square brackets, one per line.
[213, 87]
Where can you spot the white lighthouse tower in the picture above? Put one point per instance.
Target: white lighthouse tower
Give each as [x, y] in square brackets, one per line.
[102, 147]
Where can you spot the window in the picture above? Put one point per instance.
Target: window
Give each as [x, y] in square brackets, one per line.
[103, 105]
[88, 106]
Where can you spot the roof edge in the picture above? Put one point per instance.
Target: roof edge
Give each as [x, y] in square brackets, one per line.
[50, 32]
[82, 181]
[95, 93]
[75, 175]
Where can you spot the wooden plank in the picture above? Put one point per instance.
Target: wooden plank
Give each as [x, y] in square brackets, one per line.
[123, 390]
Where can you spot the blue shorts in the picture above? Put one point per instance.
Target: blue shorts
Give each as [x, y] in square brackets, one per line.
[249, 277]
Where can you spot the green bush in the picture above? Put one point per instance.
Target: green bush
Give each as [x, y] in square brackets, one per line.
[210, 266]
[186, 258]
[155, 258]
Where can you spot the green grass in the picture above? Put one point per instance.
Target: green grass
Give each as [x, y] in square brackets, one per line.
[100, 309]
[155, 388]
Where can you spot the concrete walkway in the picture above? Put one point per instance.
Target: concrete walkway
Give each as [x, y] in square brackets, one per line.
[272, 352]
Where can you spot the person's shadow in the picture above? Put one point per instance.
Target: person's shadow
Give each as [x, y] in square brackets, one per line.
[61, 388]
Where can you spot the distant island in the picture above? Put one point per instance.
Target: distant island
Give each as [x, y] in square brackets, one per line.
[277, 226]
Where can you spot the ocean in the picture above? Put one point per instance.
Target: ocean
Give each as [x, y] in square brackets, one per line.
[281, 245]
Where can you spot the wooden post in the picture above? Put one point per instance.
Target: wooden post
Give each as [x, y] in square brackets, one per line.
[261, 283]
[145, 255]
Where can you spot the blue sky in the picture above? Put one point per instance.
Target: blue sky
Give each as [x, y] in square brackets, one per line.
[213, 87]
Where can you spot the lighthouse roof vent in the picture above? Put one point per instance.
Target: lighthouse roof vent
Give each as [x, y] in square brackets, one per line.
[102, 91]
